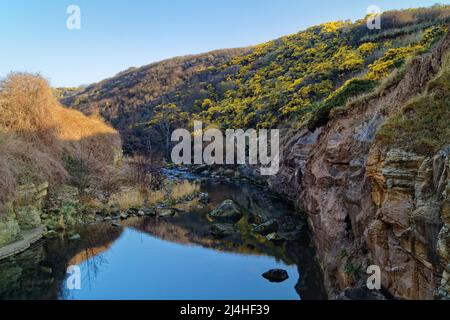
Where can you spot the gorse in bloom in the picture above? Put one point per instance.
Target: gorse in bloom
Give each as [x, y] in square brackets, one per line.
[277, 84]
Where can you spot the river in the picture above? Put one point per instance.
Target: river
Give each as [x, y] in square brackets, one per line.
[175, 258]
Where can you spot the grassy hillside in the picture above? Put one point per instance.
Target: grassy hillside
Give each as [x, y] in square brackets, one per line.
[422, 125]
[295, 79]
[38, 137]
[130, 97]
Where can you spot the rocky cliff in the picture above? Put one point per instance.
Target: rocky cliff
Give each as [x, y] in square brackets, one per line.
[371, 203]
[21, 225]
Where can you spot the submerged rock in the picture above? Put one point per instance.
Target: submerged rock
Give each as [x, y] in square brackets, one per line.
[131, 211]
[362, 293]
[116, 224]
[229, 173]
[149, 212]
[115, 210]
[276, 238]
[75, 237]
[222, 230]
[276, 275]
[266, 228]
[203, 198]
[166, 213]
[227, 212]
[201, 169]
[50, 234]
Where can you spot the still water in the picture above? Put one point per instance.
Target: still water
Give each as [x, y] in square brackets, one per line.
[173, 258]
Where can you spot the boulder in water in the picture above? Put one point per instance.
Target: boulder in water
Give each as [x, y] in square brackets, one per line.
[75, 237]
[166, 213]
[116, 224]
[276, 275]
[266, 228]
[227, 212]
[275, 237]
[203, 198]
[222, 230]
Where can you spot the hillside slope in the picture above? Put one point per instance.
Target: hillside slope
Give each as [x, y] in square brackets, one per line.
[129, 98]
[280, 83]
[40, 141]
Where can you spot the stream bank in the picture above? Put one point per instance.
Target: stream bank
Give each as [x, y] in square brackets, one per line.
[152, 255]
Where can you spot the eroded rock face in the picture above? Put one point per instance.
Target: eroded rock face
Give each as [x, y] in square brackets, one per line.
[28, 205]
[409, 225]
[370, 204]
[443, 245]
[361, 294]
[9, 227]
[22, 214]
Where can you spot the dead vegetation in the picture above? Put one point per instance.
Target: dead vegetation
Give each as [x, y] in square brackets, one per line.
[38, 135]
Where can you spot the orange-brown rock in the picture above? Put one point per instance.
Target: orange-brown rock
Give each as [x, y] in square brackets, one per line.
[374, 204]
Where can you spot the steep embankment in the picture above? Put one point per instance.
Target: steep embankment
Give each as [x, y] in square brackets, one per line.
[377, 200]
[38, 140]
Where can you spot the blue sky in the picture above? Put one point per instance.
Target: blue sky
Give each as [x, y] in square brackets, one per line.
[118, 34]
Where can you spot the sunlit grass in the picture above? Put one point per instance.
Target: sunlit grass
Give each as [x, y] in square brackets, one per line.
[422, 125]
[134, 197]
[36, 132]
[183, 189]
[128, 198]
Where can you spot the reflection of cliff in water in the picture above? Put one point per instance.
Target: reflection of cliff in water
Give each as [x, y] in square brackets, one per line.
[262, 206]
[39, 272]
[259, 204]
[192, 229]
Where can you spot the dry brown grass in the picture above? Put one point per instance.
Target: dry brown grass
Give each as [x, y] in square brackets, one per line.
[135, 198]
[26, 106]
[183, 189]
[36, 131]
[127, 198]
[156, 197]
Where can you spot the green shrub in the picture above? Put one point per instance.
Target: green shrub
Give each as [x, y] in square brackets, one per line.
[351, 270]
[422, 125]
[79, 171]
[352, 88]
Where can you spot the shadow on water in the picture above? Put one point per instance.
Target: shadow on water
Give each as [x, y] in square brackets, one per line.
[174, 258]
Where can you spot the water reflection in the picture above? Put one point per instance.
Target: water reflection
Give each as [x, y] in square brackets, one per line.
[171, 259]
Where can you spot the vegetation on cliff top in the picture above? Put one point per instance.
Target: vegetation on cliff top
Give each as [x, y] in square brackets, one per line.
[422, 125]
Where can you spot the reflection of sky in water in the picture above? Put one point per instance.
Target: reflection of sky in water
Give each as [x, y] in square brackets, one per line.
[139, 266]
